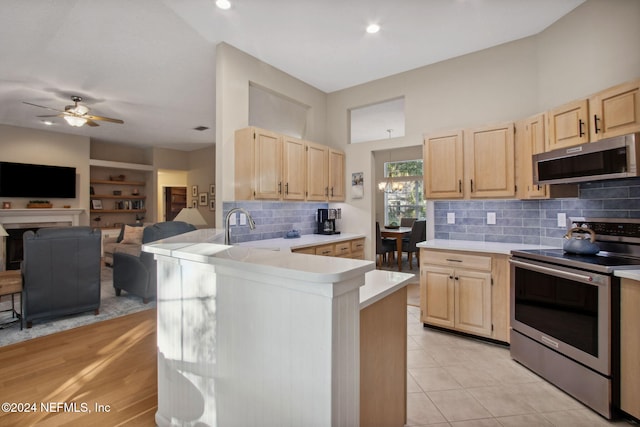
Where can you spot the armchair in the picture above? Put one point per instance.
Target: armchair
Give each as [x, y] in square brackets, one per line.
[137, 274]
[60, 272]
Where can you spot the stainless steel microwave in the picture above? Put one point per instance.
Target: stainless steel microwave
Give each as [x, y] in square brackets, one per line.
[606, 159]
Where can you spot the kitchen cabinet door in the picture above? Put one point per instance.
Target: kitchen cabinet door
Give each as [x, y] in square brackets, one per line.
[615, 111]
[336, 176]
[473, 302]
[294, 159]
[268, 165]
[317, 172]
[490, 161]
[568, 125]
[630, 347]
[533, 139]
[443, 165]
[437, 303]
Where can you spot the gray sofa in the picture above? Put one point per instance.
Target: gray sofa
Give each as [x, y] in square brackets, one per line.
[111, 245]
[60, 272]
[137, 274]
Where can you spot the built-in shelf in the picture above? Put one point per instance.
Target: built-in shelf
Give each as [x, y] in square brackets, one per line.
[111, 182]
[119, 165]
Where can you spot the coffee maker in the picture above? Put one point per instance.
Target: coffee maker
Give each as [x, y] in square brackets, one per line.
[326, 220]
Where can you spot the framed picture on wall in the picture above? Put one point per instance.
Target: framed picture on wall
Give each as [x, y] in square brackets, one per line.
[357, 185]
[194, 191]
[203, 199]
[212, 190]
[212, 204]
[194, 203]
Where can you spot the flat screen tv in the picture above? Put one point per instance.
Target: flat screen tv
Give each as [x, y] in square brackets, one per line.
[37, 181]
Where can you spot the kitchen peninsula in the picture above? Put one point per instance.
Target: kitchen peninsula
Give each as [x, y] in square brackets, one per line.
[250, 336]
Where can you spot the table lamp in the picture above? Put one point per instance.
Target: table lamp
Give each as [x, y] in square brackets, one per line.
[191, 216]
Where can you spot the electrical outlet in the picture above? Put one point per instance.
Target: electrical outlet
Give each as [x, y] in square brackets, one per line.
[243, 219]
[232, 219]
[451, 217]
[491, 218]
[562, 220]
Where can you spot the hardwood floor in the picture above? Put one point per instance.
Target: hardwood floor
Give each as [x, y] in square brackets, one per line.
[108, 370]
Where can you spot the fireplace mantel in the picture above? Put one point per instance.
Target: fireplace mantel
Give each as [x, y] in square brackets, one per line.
[15, 218]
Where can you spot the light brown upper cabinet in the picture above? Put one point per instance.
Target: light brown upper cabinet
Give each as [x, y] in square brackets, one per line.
[490, 161]
[336, 191]
[317, 172]
[271, 166]
[612, 112]
[568, 125]
[294, 161]
[530, 139]
[615, 111]
[443, 165]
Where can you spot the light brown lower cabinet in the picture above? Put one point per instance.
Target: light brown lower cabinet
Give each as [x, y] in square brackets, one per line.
[465, 292]
[353, 248]
[630, 347]
[383, 362]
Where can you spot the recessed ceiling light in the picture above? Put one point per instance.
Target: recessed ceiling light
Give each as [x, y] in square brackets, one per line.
[373, 28]
[223, 4]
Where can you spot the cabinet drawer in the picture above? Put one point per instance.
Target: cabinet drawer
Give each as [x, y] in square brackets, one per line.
[326, 250]
[10, 282]
[456, 259]
[309, 251]
[343, 248]
[357, 245]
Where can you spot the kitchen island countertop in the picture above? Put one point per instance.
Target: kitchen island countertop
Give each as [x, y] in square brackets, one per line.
[477, 246]
[288, 245]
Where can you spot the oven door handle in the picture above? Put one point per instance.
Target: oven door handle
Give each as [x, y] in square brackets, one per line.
[552, 271]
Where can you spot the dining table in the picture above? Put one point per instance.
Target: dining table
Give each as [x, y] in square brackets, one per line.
[396, 233]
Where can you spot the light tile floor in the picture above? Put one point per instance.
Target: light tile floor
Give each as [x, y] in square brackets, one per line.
[459, 381]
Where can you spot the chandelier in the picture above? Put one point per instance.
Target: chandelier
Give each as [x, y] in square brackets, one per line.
[388, 185]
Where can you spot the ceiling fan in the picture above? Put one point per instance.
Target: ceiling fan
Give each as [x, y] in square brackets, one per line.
[77, 114]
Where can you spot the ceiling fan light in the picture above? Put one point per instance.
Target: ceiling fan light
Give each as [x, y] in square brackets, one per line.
[75, 121]
[223, 4]
[81, 109]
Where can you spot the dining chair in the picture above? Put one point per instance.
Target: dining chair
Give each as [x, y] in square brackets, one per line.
[407, 222]
[383, 247]
[418, 234]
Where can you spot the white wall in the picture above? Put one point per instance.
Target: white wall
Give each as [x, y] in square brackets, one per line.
[234, 71]
[592, 48]
[23, 145]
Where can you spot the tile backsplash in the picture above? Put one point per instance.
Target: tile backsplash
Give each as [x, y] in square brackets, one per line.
[273, 219]
[536, 221]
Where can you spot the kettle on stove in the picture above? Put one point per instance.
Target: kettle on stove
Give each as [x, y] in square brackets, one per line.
[581, 244]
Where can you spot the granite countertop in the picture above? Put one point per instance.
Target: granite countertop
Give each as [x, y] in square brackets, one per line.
[287, 245]
[378, 284]
[628, 274]
[204, 246]
[475, 246]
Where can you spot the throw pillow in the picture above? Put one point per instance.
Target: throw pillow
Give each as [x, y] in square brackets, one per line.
[132, 235]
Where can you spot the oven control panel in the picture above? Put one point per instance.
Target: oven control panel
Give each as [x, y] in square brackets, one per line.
[615, 229]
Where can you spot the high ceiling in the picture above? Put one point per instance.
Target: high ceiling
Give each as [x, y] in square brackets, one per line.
[152, 62]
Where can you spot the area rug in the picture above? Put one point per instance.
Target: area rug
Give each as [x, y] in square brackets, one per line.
[110, 307]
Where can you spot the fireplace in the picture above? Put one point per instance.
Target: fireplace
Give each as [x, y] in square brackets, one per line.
[17, 221]
[14, 247]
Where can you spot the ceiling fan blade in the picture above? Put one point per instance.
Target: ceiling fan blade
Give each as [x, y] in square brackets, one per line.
[42, 106]
[52, 115]
[92, 123]
[104, 119]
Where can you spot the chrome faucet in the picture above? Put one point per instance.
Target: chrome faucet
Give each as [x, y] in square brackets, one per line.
[252, 224]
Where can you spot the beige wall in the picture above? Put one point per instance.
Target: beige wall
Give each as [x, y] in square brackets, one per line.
[202, 173]
[23, 145]
[592, 48]
[234, 71]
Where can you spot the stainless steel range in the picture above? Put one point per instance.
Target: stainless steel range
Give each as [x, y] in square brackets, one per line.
[565, 312]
